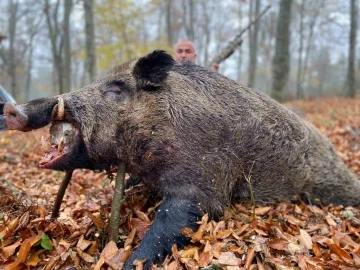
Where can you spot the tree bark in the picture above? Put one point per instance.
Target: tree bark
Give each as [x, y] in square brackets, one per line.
[90, 62]
[350, 80]
[281, 61]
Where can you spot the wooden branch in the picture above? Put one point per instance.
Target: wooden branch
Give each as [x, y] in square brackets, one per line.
[116, 204]
[230, 48]
[60, 194]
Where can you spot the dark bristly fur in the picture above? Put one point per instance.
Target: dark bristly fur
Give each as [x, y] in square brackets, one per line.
[193, 136]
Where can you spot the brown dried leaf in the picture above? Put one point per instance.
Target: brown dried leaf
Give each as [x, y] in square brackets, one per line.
[189, 252]
[249, 257]
[83, 244]
[190, 264]
[130, 239]
[109, 250]
[305, 239]
[10, 250]
[202, 228]
[51, 263]
[294, 221]
[173, 266]
[93, 248]
[33, 260]
[260, 211]
[86, 257]
[316, 250]
[23, 220]
[340, 252]
[98, 222]
[330, 221]
[216, 249]
[229, 258]
[205, 259]
[65, 244]
[7, 231]
[117, 261]
[142, 216]
[25, 247]
[279, 244]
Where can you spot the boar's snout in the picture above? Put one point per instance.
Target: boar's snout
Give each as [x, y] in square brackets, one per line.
[15, 118]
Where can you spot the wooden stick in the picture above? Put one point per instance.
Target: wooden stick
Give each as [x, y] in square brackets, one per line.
[60, 194]
[116, 204]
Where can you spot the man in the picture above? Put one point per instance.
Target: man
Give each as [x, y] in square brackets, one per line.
[185, 51]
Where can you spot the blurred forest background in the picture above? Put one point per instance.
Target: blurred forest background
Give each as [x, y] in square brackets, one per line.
[298, 49]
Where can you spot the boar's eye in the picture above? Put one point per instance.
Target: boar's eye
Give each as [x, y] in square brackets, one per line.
[115, 89]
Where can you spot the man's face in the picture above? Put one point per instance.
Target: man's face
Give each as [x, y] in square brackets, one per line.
[185, 51]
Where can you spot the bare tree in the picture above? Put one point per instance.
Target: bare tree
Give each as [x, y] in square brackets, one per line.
[60, 42]
[56, 41]
[33, 23]
[189, 20]
[169, 30]
[90, 62]
[281, 61]
[299, 82]
[254, 46]
[13, 11]
[317, 6]
[67, 48]
[350, 80]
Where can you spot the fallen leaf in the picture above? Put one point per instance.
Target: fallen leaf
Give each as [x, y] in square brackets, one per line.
[305, 239]
[202, 228]
[278, 244]
[10, 250]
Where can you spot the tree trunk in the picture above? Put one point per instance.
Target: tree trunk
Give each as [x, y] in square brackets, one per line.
[207, 32]
[281, 61]
[299, 82]
[254, 46]
[240, 58]
[188, 7]
[56, 44]
[350, 80]
[169, 29]
[29, 69]
[304, 74]
[67, 47]
[11, 59]
[90, 61]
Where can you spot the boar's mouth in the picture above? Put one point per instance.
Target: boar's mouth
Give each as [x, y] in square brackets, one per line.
[60, 147]
[63, 143]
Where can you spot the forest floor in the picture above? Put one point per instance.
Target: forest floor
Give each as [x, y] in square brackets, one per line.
[278, 236]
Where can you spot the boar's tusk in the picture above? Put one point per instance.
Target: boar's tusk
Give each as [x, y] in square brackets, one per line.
[60, 112]
[61, 145]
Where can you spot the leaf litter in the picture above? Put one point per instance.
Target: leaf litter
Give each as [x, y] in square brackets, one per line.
[274, 236]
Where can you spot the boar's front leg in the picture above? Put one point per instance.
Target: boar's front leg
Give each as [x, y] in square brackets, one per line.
[173, 215]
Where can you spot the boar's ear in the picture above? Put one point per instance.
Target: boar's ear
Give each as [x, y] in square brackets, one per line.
[151, 71]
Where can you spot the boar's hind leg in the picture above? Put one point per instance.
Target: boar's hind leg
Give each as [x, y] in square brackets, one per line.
[173, 215]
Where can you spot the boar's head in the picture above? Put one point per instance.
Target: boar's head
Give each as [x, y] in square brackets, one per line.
[88, 125]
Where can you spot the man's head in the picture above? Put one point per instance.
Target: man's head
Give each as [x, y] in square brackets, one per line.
[185, 51]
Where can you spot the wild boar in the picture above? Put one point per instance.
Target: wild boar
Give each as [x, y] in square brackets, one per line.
[194, 137]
